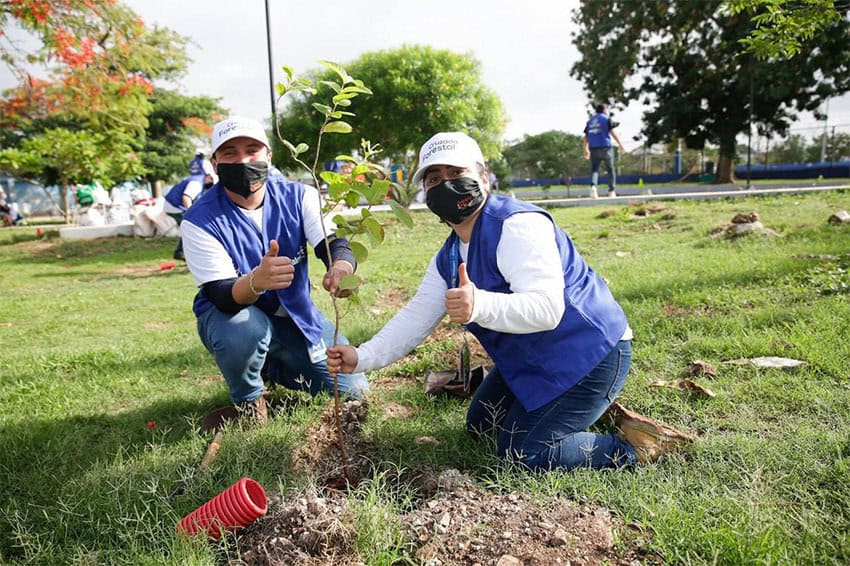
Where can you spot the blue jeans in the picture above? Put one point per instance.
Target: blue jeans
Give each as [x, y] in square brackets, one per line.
[597, 156]
[178, 217]
[242, 343]
[554, 436]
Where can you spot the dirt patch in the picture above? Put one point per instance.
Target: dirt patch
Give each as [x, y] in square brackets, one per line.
[319, 457]
[456, 524]
[310, 531]
[397, 411]
[454, 333]
[677, 311]
[468, 526]
[390, 299]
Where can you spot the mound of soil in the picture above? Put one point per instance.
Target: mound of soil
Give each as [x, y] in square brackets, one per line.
[454, 522]
[468, 526]
[459, 524]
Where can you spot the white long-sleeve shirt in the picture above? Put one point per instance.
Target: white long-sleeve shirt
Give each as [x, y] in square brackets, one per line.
[527, 257]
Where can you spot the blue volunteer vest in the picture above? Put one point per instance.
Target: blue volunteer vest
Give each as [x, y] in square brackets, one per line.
[598, 129]
[217, 215]
[175, 195]
[539, 367]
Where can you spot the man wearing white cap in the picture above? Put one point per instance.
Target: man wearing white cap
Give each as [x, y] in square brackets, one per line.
[246, 245]
[560, 343]
[180, 197]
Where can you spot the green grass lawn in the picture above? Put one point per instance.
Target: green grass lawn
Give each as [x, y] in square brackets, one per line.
[103, 381]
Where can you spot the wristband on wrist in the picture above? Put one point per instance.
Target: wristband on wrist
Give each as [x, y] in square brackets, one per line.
[251, 284]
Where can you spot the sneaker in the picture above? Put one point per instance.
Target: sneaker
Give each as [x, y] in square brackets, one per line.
[649, 439]
[178, 254]
[612, 193]
[593, 193]
[255, 411]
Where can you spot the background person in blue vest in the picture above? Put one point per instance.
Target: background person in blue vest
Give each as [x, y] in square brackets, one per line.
[246, 243]
[181, 196]
[597, 147]
[560, 343]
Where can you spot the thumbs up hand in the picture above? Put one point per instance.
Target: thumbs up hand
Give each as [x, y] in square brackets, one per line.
[274, 272]
[461, 299]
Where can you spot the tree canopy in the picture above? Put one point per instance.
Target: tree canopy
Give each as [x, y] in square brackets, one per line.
[684, 62]
[85, 107]
[177, 126]
[783, 26]
[552, 154]
[418, 91]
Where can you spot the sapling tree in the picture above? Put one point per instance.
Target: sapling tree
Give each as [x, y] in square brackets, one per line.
[367, 181]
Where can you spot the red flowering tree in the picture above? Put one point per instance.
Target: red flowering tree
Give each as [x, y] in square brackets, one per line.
[91, 73]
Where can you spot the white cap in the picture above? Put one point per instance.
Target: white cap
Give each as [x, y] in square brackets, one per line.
[448, 148]
[237, 127]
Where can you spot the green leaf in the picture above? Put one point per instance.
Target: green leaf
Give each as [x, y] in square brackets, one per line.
[337, 191]
[301, 148]
[289, 72]
[350, 282]
[345, 157]
[288, 145]
[338, 127]
[346, 78]
[344, 102]
[361, 252]
[331, 177]
[340, 220]
[356, 90]
[336, 87]
[401, 213]
[323, 108]
[352, 199]
[374, 229]
[382, 187]
[280, 88]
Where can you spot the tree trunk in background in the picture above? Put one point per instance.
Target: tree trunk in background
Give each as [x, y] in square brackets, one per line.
[725, 172]
[66, 206]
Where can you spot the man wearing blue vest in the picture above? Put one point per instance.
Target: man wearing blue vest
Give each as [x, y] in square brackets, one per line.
[597, 147]
[246, 242]
[181, 196]
[560, 343]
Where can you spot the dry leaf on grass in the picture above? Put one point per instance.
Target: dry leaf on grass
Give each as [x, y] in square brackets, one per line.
[699, 367]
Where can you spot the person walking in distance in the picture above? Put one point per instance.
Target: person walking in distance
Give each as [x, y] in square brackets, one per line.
[598, 148]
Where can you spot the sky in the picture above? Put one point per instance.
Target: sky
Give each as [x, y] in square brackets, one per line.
[524, 47]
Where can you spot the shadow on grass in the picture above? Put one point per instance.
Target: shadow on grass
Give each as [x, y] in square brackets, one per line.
[117, 250]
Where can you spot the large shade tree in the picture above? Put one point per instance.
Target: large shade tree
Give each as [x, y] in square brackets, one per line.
[684, 61]
[552, 154]
[86, 84]
[418, 91]
[177, 126]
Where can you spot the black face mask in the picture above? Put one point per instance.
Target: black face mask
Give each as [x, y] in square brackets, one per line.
[244, 179]
[454, 200]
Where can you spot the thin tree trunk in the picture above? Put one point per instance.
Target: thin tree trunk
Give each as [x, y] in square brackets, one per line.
[725, 171]
[65, 204]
